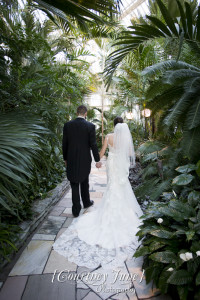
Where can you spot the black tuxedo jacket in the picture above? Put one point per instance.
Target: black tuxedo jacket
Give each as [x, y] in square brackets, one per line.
[79, 137]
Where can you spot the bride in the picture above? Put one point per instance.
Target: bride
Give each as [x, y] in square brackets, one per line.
[106, 235]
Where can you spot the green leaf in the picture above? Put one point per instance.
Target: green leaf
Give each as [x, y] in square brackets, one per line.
[183, 292]
[187, 210]
[162, 283]
[141, 251]
[160, 25]
[190, 234]
[198, 168]
[193, 115]
[198, 279]
[6, 206]
[191, 143]
[180, 277]
[171, 212]
[194, 198]
[166, 14]
[195, 246]
[164, 234]
[186, 168]
[165, 257]
[193, 265]
[155, 245]
[183, 179]
[189, 20]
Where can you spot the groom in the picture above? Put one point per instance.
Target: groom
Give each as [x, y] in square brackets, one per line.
[78, 138]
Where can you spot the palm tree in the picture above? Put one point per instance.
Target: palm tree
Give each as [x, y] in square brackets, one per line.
[84, 13]
[175, 91]
[186, 27]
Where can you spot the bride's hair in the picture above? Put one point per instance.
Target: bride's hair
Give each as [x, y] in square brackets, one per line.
[118, 120]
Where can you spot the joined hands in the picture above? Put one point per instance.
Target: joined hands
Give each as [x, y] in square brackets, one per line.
[98, 164]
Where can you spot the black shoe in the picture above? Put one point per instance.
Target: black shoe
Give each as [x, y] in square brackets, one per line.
[75, 216]
[91, 203]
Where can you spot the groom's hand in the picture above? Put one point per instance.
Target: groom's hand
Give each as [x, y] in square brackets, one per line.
[98, 164]
[65, 163]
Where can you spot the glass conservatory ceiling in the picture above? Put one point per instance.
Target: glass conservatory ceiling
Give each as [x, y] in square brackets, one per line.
[133, 9]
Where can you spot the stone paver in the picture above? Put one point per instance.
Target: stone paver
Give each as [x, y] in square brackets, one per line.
[52, 225]
[33, 258]
[44, 237]
[68, 222]
[108, 282]
[41, 273]
[59, 263]
[81, 293]
[13, 288]
[143, 289]
[92, 296]
[41, 287]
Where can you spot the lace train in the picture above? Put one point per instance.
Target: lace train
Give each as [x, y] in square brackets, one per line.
[91, 256]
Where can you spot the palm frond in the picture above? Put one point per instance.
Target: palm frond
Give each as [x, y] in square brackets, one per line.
[193, 116]
[138, 34]
[163, 66]
[21, 134]
[191, 143]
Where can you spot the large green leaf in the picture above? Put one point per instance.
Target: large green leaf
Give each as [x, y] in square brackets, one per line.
[198, 279]
[183, 179]
[194, 198]
[141, 251]
[171, 212]
[193, 116]
[185, 208]
[191, 143]
[186, 168]
[165, 257]
[164, 234]
[180, 277]
[168, 19]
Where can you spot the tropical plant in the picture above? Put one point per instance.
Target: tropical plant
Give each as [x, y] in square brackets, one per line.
[170, 245]
[186, 27]
[22, 137]
[173, 95]
[38, 94]
[159, 161]
[8, 238]
[170, 233]
[72, 12]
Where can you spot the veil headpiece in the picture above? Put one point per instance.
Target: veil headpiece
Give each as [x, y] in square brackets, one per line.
[123, 145]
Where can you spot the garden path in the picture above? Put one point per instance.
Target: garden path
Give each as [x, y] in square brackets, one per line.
[32, 275]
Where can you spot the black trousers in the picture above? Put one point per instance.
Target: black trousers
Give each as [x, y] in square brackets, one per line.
[78, 187]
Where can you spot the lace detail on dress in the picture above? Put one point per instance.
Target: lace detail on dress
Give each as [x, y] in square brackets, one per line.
[91, 256]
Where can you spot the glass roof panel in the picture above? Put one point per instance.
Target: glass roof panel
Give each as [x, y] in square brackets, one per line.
[133, 9]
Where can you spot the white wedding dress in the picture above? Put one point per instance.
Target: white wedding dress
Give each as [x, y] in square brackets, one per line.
[106, 235]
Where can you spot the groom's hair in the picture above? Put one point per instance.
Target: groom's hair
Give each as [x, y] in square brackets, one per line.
[81, 110]
[118, 120]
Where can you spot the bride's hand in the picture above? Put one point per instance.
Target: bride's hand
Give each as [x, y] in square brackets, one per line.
[98, 164]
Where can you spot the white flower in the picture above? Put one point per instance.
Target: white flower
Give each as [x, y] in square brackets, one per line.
[198, 253]
[170, 269]
[186, 256]
[182, 256]
[160, 220]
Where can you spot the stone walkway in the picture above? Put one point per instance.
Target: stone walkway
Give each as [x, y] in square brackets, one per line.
[41, 273]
